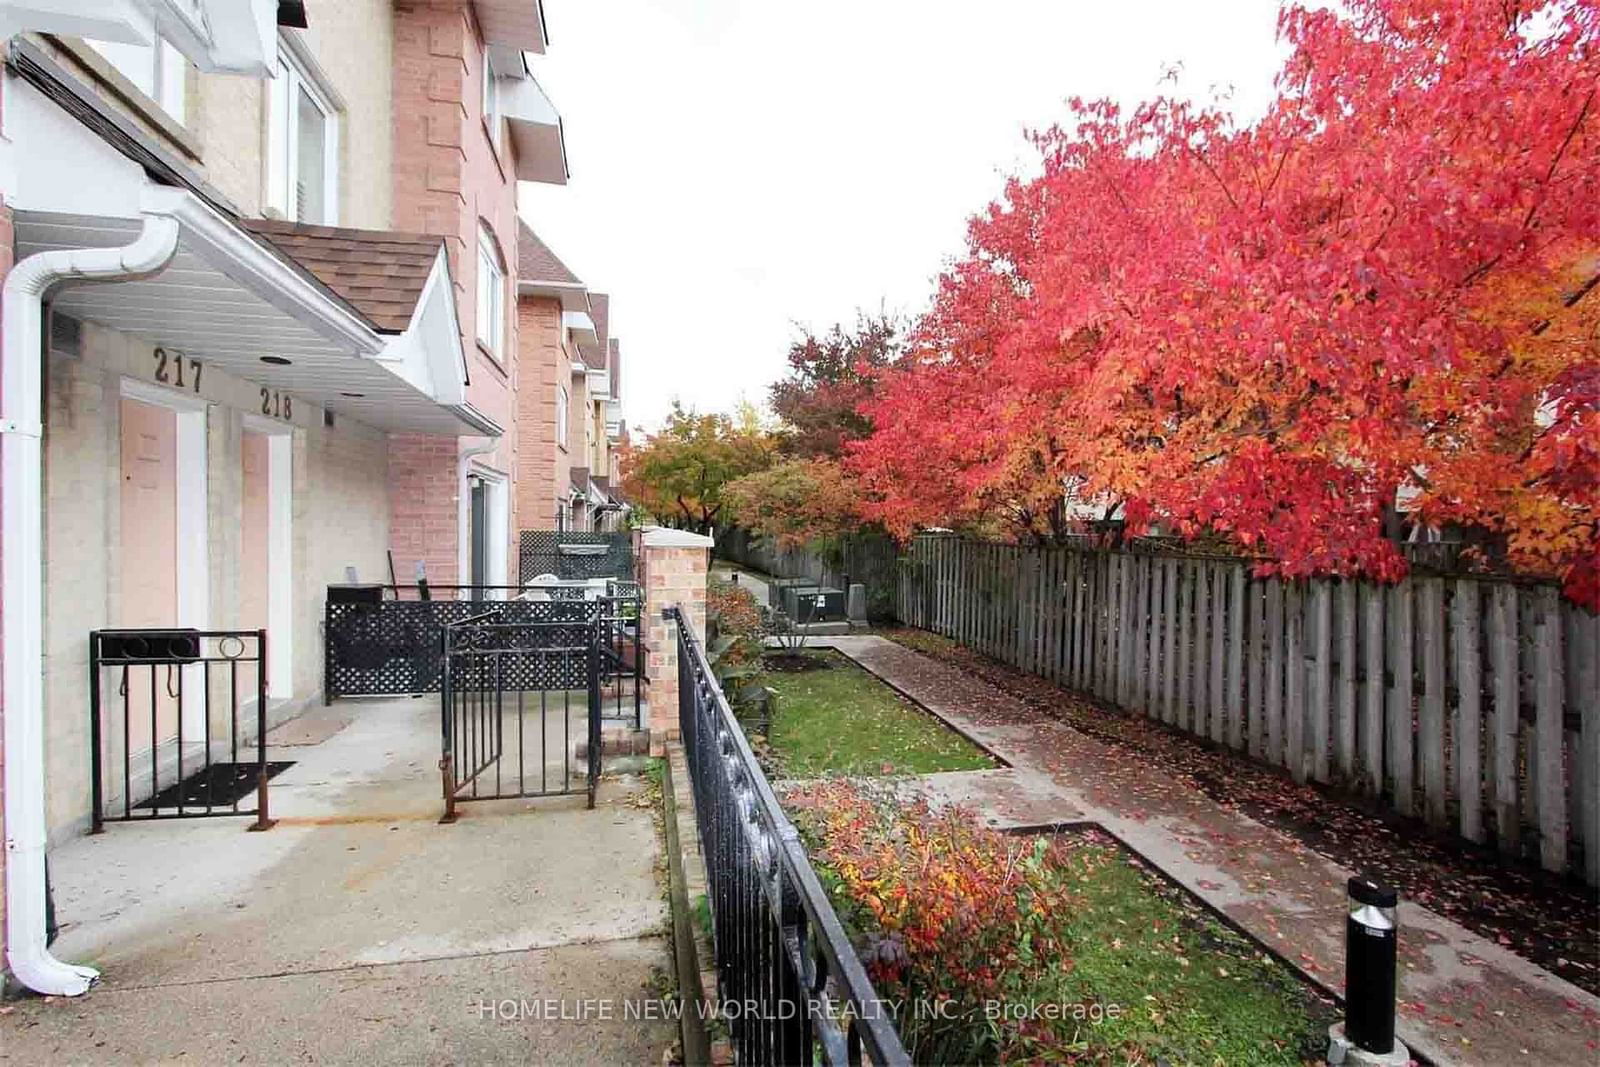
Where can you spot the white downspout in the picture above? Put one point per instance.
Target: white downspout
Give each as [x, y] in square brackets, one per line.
[21, 565]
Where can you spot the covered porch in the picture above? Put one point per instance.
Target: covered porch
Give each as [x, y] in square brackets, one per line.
[359, 929]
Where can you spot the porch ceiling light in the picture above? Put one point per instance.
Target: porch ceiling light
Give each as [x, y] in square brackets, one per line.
[277, 361]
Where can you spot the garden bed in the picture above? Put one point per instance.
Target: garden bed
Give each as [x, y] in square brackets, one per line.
[830, 717]
[1060, 947]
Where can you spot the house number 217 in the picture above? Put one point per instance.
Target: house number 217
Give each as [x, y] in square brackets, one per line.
[170, 370]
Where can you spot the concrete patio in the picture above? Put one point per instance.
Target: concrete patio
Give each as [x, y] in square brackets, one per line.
[359, 929]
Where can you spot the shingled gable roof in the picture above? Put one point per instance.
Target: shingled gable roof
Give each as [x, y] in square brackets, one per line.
[600, 312]
[536, 263]
[379, 273]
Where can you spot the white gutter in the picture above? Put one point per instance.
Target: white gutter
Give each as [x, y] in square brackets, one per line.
[21, 595]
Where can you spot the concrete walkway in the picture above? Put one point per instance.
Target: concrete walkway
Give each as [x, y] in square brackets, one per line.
[359, 929]
[1465, 1000]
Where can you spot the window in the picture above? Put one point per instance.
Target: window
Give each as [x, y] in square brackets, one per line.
[491, 102]
[159, 71]
[561, 416]
[491, 293]
[302, 148]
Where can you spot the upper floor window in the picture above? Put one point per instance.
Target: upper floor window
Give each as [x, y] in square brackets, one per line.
[159, 71]
[491, 101]
[491, 293]
[302, 147]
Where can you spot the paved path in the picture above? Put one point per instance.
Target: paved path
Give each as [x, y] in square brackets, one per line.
[1465, 999]
[359, 930]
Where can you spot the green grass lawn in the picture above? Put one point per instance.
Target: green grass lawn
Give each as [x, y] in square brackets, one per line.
[841, 720]
[1195, 990]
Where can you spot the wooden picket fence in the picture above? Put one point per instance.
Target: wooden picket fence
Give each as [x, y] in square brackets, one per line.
[1473, 703]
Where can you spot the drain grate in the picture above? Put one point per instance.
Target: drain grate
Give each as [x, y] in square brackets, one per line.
[219, 785]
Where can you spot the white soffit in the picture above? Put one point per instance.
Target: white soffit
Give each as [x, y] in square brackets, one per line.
[216, 311]
[515, 24]
[535, 128]
[579, 324]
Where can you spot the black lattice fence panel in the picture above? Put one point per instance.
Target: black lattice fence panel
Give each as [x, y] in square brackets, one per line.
[394, 647]
[572, 555]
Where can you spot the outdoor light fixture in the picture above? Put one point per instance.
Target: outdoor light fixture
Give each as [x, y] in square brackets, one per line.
[353, 396]
[276, 361]
[1371, 938]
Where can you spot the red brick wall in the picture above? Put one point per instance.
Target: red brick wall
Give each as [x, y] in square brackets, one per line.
[424, 506]
[540, 362]
[447, 177]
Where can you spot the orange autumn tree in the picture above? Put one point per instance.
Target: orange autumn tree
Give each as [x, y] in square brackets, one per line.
[1381, 292]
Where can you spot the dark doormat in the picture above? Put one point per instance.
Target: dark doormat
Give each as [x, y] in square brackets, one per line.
[217, 786]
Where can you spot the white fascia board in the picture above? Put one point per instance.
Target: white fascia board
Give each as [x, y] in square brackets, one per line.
[429, 354]
[574, 296]
[121, 21]
[599, 383]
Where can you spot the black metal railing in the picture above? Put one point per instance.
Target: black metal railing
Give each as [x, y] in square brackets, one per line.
[786, 968]
[172, 739]
[507, 708]
[384, 640]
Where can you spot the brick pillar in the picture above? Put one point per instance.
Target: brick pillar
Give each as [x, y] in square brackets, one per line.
[672, 572]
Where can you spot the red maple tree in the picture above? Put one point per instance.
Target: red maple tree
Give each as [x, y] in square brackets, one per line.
[1380, 294]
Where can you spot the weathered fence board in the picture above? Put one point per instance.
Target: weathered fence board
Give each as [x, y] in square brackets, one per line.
[1472, 702]
[1464, 609]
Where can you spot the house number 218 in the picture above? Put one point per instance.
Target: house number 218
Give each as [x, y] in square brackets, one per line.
[275, 404]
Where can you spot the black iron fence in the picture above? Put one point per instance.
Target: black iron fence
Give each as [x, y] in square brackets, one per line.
[572, 554]
[178, 724]
[783, 958]
[385, 640]
[508, 710]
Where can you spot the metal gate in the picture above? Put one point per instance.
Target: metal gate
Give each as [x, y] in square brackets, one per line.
[516, 699]
[181, 732]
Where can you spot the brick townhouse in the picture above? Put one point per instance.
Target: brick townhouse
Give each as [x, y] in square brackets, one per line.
[311, 347]
[569, 429]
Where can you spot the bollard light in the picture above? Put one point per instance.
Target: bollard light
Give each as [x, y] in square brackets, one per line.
[1371, 940]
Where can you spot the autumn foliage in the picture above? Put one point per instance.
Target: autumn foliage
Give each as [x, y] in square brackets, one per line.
[958, 912]
[1380, 294]
[796, 502]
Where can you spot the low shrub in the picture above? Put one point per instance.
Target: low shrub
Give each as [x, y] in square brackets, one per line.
[968, 932]
[951, 914]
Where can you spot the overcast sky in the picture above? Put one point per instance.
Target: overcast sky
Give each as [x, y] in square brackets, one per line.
[740, 166]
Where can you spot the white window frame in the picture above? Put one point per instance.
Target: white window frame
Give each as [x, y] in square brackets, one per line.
[561, 416]
[491, 307]
[283, 142]
[491, 101]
